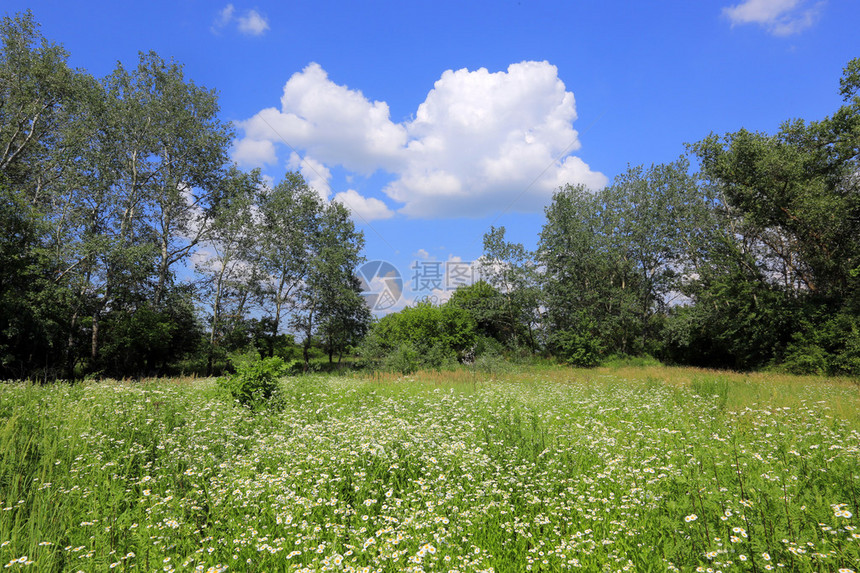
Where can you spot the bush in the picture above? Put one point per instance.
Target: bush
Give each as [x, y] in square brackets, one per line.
[423, 326]
[403, 359]
[806, 359]
[492, 362]
[439, 357]
[255, 383]
[829, 347]
[578, 348]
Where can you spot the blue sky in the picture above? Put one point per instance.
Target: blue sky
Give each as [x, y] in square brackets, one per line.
[434, 120]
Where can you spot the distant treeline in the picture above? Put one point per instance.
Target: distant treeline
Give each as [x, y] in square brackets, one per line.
[752, 262]
[131, 245]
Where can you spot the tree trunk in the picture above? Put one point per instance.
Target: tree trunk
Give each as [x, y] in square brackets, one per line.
[163, 269]
[70, 348]
[305, 355]
[216, 311]
[94, 342]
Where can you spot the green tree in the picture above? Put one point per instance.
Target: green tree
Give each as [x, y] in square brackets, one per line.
[175, 148]
[512, 271]
[487, 306]
[228, 263]
[39, 99]
[613, 259]
[589, 293]
[290, 214]
[329, 301]
[44, 107]
[788, 212]
[649, 220]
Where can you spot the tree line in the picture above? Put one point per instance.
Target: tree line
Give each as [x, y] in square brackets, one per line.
[751, 262]
[132, 245]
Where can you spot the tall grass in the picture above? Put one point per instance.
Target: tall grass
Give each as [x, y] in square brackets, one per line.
[550, 469]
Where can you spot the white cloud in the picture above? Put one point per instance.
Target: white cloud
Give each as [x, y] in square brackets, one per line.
[251, 23]
[422, 254]
[333, 123]
[254, 152]
[224, 17]
[315, 174]
[779, 17]
[480, 141]
[365, 208]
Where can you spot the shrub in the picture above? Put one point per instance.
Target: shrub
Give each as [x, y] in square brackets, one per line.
[403, 359]
[439, 357]
[806, 359]
[255, 383]
[424, 326]
[578, 348]
[830, 347]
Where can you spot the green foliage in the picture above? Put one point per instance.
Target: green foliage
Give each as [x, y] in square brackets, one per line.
[492, 361]
[426, 325]
[101, 204]
[404, 359]
[513, 313]
[831, 347]
[613, 257]
[805, 358]
[423, 336]
[439, 357]
[577, 348]
[487, 306]
[255, 383]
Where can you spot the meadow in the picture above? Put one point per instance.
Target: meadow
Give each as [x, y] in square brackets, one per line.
[543, 469]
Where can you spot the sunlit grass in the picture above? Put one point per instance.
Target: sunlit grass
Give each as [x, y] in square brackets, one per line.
[532, 469]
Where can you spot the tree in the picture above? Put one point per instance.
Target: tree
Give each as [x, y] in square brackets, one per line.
[583, 287]
[231, 269]
[290, 214]
[511, 270]
[40, 98]
[788, 207]
[650, 219]
[613, 259]
[179, 152]
[329, 300]
[487, 306]
[44, 108]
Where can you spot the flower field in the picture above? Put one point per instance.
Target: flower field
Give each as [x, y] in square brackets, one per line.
[649, 469]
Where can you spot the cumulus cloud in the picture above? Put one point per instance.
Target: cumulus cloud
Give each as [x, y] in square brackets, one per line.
[479, 142]
[315, 174]
[366, 209]
[250, 23]
[779, 17]
[254, 152]
[331, 122]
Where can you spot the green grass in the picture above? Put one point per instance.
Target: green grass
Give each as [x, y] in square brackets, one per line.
[641, 468]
